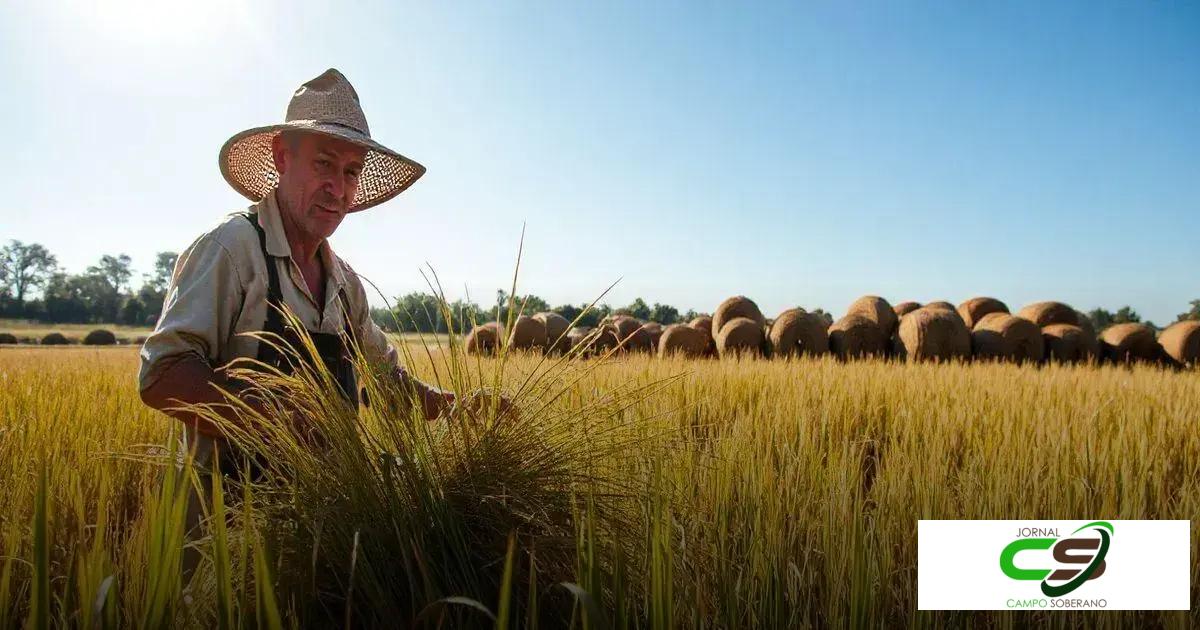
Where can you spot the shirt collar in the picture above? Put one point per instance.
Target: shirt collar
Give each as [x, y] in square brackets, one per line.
[277, 244]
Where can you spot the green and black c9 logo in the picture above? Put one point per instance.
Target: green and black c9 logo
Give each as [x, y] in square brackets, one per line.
[1069, 579]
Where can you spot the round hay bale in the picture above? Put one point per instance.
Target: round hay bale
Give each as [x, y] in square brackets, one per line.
[1006, 337]
[1130, 343]
[1088, 327]
[976, 308]
[7, 339]
[1065, 343]
[732, 308]
[705, 323]
[100, 337]
[683, 340]
[556, 331]
[139, 340]
[581, 339]
[1046, 313]
[904, 308]
[855, 336]
[527, 334]
[797, 333]
[896, 347]
[655, 330]
[942, 304]
[741, 336]
[1181, 342]
[483, 339]
[934, 334]
[877, 310]
[55, 339]
[625, 333]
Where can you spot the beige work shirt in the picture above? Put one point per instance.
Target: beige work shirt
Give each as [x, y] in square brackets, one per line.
[218, 292]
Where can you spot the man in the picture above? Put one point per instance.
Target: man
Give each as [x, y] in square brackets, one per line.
[305, 176]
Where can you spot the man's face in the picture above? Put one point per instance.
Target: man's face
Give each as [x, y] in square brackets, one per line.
[318, 178]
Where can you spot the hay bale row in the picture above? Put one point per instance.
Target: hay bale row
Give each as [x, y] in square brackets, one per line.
[7, 338]
[982, 327]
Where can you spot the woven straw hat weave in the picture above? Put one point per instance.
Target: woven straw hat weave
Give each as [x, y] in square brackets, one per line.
[327, 105]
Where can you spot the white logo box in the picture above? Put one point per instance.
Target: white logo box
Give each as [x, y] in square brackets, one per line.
[1148, 566]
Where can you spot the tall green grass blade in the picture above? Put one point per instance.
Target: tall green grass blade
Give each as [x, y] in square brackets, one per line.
[39, 610]
[506, 583]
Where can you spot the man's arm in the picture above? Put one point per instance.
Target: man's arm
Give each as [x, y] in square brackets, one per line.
[433, 400]
[201, 306]
[189, 379]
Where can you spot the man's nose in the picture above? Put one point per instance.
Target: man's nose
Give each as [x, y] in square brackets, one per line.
[337, 186]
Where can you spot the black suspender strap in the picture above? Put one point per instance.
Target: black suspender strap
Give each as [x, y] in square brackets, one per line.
[274, 321]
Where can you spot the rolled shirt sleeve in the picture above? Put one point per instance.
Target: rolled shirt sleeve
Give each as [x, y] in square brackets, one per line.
[199, 312]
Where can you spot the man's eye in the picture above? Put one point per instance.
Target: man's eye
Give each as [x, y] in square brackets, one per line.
[323, 163]
[352, 173]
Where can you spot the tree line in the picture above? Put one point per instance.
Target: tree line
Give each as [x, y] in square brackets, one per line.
[34, 286]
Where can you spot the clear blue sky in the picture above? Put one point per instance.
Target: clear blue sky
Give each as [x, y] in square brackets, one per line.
[801, 154]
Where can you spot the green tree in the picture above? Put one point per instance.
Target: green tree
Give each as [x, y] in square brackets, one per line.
[113, 270]
[824, 315]
[1193, 314]
[664, 314]
[147, 304]
[25, 267]
[637, 308]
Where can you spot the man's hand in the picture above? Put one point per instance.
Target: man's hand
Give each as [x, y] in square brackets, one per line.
[480, 402]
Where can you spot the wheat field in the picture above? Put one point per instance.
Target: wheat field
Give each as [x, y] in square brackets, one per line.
[632, 492]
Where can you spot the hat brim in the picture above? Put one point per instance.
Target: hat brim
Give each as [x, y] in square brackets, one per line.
[248, 165]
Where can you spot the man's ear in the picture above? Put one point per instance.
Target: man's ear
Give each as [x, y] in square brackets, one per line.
[279, 153]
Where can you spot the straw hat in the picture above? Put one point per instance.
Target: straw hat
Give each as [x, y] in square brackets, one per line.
[328, 105]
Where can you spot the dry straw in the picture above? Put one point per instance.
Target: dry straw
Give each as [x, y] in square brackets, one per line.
[976, 308]
[1181, 342]
[934, 334]
[797, 333]
[1008, 338]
